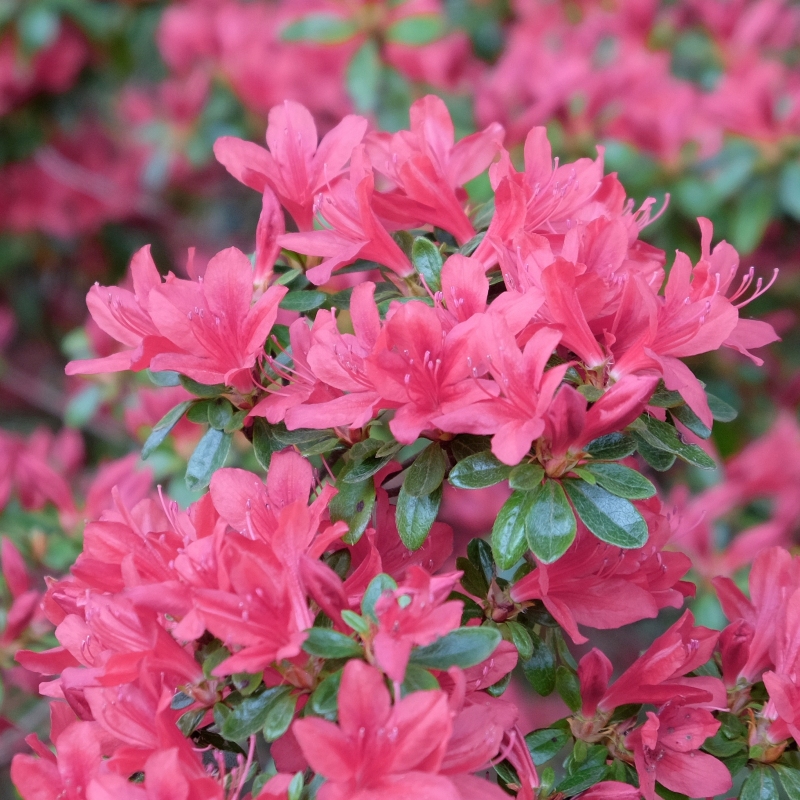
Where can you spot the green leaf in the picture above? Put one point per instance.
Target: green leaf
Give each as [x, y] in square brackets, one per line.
[363, 462]
[546, 742]
[264, 443]
[181, 701]
[611, 519]
[353, 503]
[759, 785]
[364, 77]
[581, 780]
[208, 457]
[198, 412]
[612, 447]
[659, 460]
[416, 515]
[416, 30]
[663, 436]
[622, 481]
[427, 472]
[720, 410]
[479, 553]
[689, 419]
[427, 261]
[377, 586]
[664, 398]
[568, 686]
[508, 531]
[789, 189]
[467, 444]
[303, 300]
[418, 679]
[280, 713]
[164, 378]
[327, 643]
[526, 477]
[518, 635]
[591, 393]
[249, 714]
[463, 647]
[550, 525]
[790, 778]
[201, 389]
[356, 622]
[540, 668]
[220, 414]
[324, 699]
[321, 28]
[247, 682]
[478, 471]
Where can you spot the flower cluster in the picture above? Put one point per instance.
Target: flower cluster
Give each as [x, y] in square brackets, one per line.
[306, 635]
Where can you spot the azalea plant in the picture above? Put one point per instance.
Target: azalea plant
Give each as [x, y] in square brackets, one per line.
[300, 629]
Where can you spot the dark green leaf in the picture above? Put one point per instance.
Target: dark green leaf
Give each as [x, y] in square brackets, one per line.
[427, 262]
[249, 714]
[418, 29]
[468, 444]
[478, 471]
[663, 436]
[208, 457]
[472, 579]
[418, 679]
[546, 742]
[353, 503]
[162, 428]
[498, 689]
[581, 780]
[480, 554]
[201, 389]
[198, 412]
[759, 785]
[463, 647]
[246, 682]
[540, 668]
[550, 525]
[518, 635]
[280, 713]
[508, 532]
[664, 398]
[327, 643]
[363, 462]
[621, 481]
[720, 410]
[790, 778]
[303, 300]
[427, 472]
[324, 699]
[264, 443]
[220, 413]
[377, 586]
[612, 447]
[416, 515]
[321, 28]
[568, 687]
[526, 477]
[721, 746]
[236, 422]
[611, 519]
[659, 460]
[690, 420]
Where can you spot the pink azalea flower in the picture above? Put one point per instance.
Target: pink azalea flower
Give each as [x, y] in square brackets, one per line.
[295, 167]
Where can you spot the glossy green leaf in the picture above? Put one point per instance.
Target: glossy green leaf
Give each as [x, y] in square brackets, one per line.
[202, 389]
[610, 518]
[540, 668]
[162, 428]
[208, 457]
[663, 436]
[546, 742]
[790, 780]
[526, 477]
[508, 532]
[622, 481]
[249, 714]
[280, 713]
[478, 471]
[581, 780]
[659, 460]
[327, 643]
[612, 447]
[463, 647]
[550, 525]
[303, 300]
[690, 420]
[353, 503]
[427, 261]
[759, 785]
[415, 516]
[568, 686]
[518, 635]
[264, 443]
[427, 472]
[324, 699]
[377, 586]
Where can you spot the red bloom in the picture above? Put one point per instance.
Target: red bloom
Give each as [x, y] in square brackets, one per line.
[295, 167]
[214, 333]
[667, 750]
